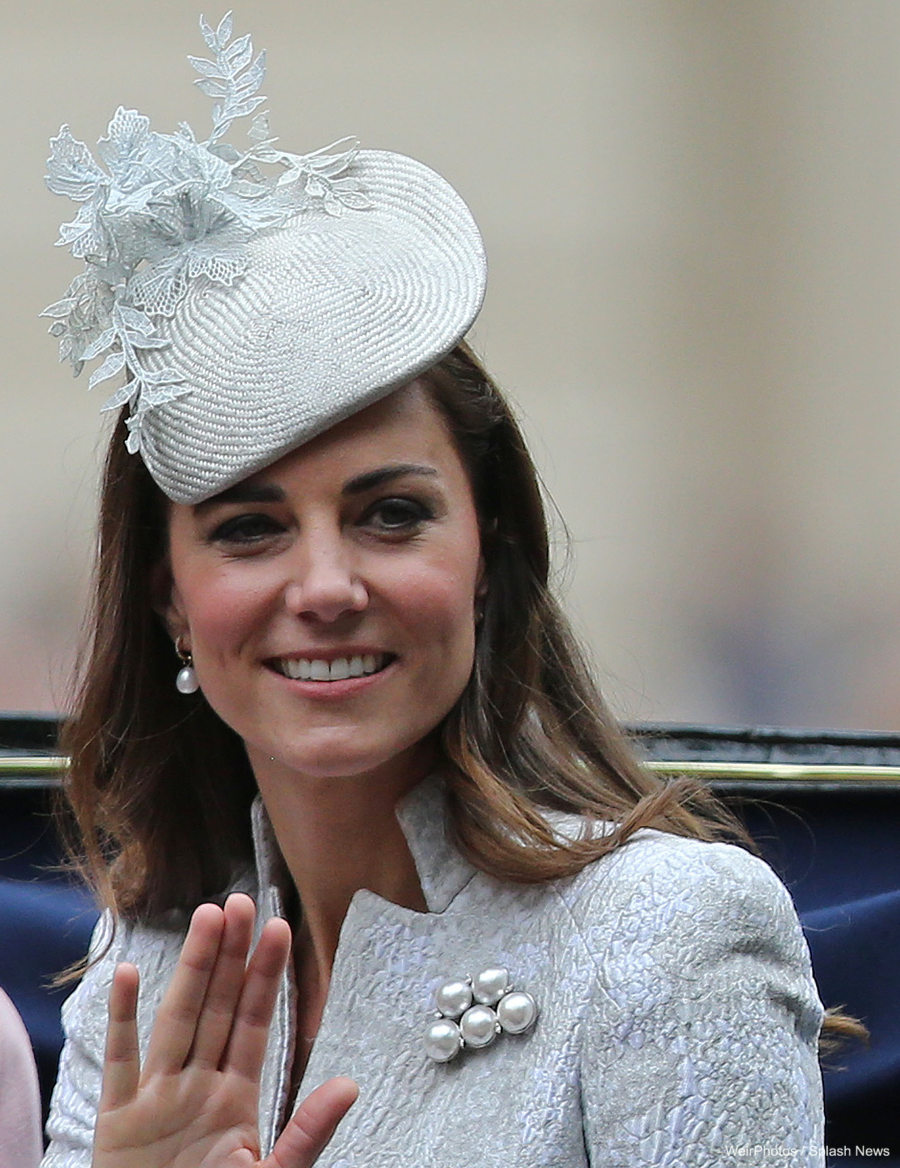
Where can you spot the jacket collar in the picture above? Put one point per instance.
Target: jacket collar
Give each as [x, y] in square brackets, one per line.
[443, 871]
[422, 815]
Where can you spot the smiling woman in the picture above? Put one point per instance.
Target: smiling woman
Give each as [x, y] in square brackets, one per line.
[354, 560]
[319, 505]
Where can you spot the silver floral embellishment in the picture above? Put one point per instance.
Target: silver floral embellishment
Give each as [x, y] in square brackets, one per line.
[158, 211]
[472, 1012]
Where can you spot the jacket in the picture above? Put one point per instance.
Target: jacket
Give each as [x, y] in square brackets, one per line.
[678, 1016]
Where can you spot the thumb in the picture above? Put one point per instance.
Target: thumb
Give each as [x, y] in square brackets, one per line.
[312, 1125]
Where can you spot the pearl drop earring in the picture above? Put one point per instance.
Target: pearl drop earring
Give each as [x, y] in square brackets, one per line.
[186, 682]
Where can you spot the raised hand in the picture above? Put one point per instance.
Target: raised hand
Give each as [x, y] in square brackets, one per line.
[194, 1102]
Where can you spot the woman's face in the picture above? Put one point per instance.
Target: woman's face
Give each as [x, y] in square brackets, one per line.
[329, 600]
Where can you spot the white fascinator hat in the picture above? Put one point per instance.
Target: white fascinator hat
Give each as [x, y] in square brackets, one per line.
[249, 298]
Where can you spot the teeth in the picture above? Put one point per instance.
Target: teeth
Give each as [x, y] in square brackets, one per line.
[305, 669]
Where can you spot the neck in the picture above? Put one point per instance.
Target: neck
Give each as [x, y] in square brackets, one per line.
[338, 835]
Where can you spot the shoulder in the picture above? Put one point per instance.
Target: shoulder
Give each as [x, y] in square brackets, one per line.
[658, 872]
[677, 897]
[702, 1015]
[153, 950]
[76, 1094]
[84, 1015]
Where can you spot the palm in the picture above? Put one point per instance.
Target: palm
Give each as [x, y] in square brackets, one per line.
[194, 1103]
[193, 1118]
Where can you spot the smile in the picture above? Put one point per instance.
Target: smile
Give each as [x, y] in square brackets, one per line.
[341, 668]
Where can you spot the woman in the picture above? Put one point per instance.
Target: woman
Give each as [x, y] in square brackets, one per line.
[381, 730]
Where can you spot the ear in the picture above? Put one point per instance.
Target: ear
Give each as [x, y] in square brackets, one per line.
[166, 600]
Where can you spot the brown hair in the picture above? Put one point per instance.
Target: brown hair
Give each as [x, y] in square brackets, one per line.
[160, 787]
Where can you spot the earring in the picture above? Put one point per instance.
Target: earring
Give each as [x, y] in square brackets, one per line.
[186, 682]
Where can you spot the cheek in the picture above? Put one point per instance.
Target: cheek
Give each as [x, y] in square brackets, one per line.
[221, 610]
[439, 604]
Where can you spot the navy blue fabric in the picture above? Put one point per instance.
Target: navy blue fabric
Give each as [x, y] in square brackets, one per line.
[45, 926]
[45, 923]
[870, 930]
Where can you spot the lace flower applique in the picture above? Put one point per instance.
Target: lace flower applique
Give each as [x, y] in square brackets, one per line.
[158, 211]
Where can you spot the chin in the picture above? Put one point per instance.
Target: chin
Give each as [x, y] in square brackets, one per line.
[347, 760]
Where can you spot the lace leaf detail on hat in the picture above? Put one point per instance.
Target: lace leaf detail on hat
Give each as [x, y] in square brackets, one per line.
[159, 211]
[222, 78]
[316, 176]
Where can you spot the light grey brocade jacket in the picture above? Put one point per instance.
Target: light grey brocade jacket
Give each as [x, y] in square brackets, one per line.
[678, 1015]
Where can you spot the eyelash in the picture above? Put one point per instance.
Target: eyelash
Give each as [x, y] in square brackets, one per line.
[414, 513]
[255, 527]
[245, 529]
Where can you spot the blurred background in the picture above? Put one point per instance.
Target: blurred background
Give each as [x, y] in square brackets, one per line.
[692, 217]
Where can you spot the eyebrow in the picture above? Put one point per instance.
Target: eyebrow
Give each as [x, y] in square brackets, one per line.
[385, 474]
[243, 493]
[271, 493]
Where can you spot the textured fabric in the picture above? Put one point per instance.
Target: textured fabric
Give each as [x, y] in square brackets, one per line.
[20, 1106]
[678, 1018]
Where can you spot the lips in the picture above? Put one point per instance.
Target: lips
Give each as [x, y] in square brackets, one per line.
[335, 669]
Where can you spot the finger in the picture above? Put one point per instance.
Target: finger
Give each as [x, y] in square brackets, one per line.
[176, 1019]
[247, 1045]
[224, 989]
[312, 1125]
[121, 1064]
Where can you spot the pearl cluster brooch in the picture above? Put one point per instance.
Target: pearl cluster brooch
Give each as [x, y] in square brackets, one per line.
[472, 1012]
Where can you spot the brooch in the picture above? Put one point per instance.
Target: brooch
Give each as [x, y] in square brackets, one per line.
[472, 1012]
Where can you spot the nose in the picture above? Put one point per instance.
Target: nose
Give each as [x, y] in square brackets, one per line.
[324, 585]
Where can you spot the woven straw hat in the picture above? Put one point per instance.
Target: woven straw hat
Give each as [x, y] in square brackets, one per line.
[249, 310]
[332, 313]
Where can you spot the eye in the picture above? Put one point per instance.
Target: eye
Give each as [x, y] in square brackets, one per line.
[246, 529]
[397, 514]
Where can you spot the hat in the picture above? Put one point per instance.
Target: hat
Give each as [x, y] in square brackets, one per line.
[252, 311]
